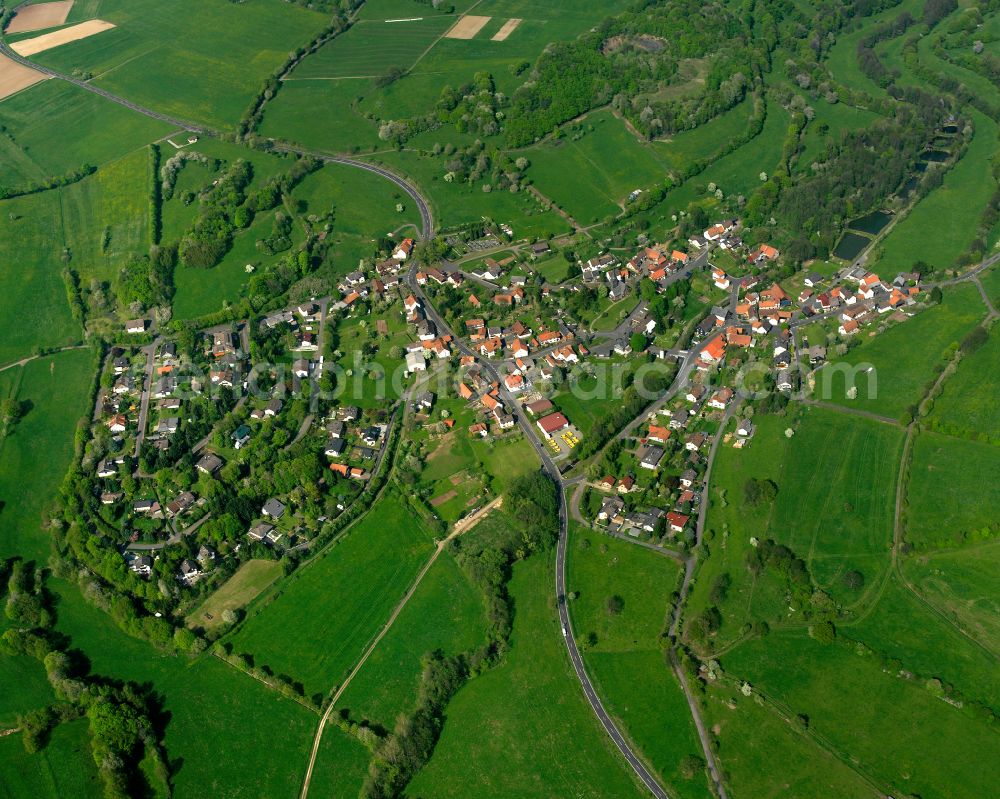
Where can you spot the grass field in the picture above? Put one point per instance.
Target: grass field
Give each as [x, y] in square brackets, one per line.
[591, 177]
[204, 76]
[65, 767]
[322, 115]
[341, 765]
[937, 230]
[460, 203]
[56, 127]
[904, 357]
[541, 740]
[35, 456]
[628, 662]
[836, 494]
[446, 613]
[249, 581]
[33, 689]
[964, 585]
[835, 120]
[705, 140]
[909, 628]
[967, 403]
[320, 621]
[753, 738]
[859, 709]
[949, 502]
[207, 703]
[371, 48]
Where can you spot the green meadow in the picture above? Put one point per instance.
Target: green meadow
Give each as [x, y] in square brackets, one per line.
[371, 48]
[461, 203]
[446, 613]
[963, 584]
[341, 765]
[967, 404]
[628, 662]
[206, 703]
[904, 357]
[826, 128]
[541, 738]
[591, 175]
[752, 738]
[65, 767]
[220, 53]
[857, 707]
[320, 621]
[951, 499]
[34, 457]
[936, 230]
[56, 127]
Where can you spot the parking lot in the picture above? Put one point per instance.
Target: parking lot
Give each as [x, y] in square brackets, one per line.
[562, 444]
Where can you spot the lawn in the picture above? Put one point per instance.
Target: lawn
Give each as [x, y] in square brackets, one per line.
[36, 454]
[33, 689]
[219, 53]
[55, 127]
[319, 622]
[951, 500]
[628, 663]
[206, 703]
[753, 738]
[937, 229]
[704, 141]
[859, 709]
[967, 404]
[964, 584]
[249, 581]
[369, 380]
[446, 613]
[540, 738]
[65, 767]
[905, 357]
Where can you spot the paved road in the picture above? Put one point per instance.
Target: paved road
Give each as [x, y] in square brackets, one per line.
[175, 538]
[147, 390]
[552, 470]
[427, 221]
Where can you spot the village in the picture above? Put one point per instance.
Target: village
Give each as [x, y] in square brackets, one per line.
[183, 426]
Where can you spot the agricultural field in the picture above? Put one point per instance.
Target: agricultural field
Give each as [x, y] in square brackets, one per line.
[57, 127]
[966, 406]
[37, 453]
[372, 48]
[946, 473]
[204, 76]
[192, 736]
[936, 230]
[65, 767]
[446, 613]
[319, 622]
[249, 581]
[629, 643]
[542, 735]
[856, 707]
[905, 357]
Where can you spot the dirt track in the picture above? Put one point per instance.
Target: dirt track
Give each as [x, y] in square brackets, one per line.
[47, 41]
[14, 77]
[40, 16]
